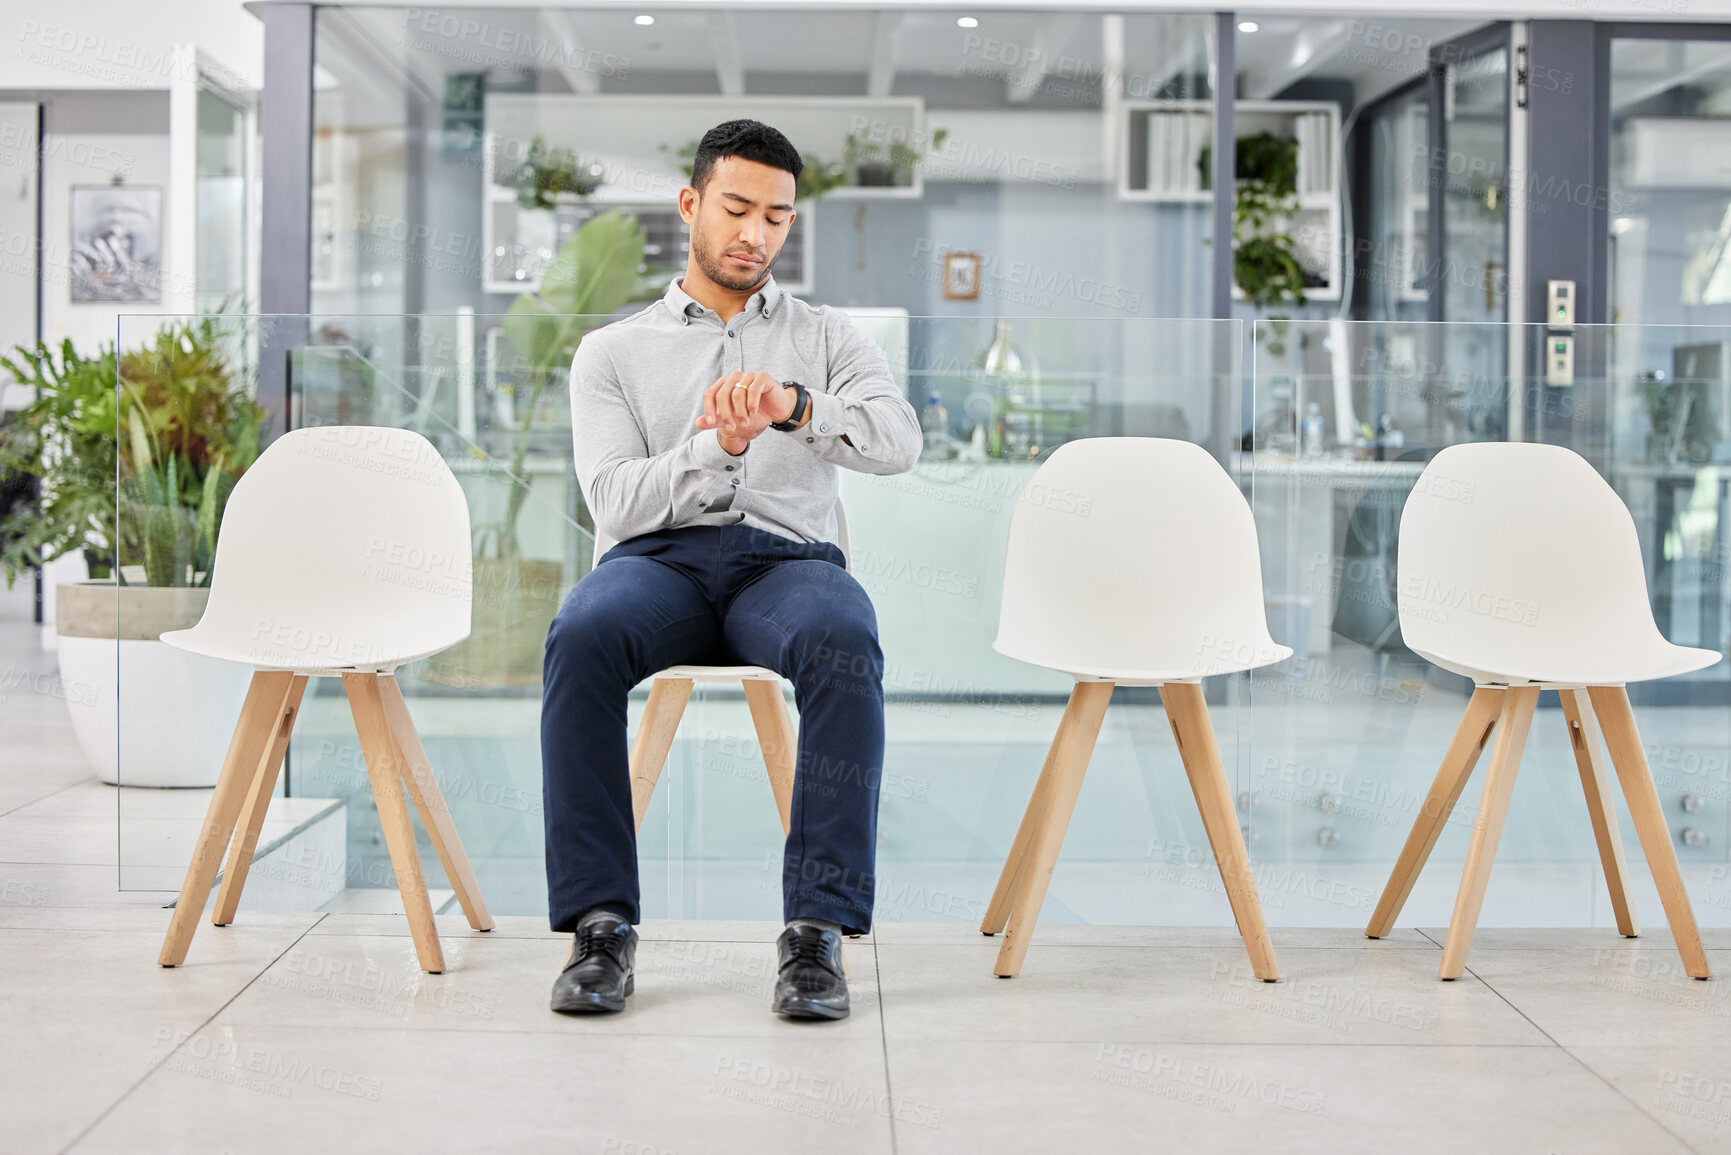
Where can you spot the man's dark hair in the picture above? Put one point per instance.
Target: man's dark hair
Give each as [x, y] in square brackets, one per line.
[750, 139]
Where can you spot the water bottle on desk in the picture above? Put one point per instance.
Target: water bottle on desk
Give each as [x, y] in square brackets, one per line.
[1313, 430]
[935, 424]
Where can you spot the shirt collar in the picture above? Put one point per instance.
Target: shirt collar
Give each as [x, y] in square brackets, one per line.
[684, 306]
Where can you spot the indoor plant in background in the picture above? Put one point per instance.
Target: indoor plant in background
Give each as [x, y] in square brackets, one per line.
[593, 274]
[175, 425]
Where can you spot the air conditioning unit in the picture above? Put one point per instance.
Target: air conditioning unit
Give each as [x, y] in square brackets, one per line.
[1677, 153]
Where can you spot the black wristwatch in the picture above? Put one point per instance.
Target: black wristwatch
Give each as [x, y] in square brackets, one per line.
[801, 402]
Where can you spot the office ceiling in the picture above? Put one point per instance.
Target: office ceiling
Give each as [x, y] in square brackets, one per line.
[577, 49]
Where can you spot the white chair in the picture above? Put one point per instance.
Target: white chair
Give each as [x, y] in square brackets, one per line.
[344, 551]
[671, 688]
[1132, 561]
[1519, 568]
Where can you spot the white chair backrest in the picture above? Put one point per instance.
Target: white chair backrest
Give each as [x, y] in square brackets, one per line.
[343, 546]
[603, 543]
[1515, 559]
[1135, 556]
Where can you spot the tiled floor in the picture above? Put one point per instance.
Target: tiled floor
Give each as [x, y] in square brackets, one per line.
[295, 1032]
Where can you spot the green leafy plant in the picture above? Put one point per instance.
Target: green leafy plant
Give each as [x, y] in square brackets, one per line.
[592, 275]
[815, 178]
[191, 430]
[67, 437]
[548, 173]
[882, 163]
[1265, 177]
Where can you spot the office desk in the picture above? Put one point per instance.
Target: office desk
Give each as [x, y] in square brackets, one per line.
[1295, 502]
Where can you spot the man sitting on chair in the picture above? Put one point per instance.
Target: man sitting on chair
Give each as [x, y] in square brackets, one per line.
[708, 429]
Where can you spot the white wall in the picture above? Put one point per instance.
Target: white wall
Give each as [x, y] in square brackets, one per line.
[124, 44]
[17, 237]
[88, 138]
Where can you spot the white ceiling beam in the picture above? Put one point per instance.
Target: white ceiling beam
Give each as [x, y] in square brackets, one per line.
[1314, 46]
[563, 30]
[1051, 32]
[729, 61]
[881, 72]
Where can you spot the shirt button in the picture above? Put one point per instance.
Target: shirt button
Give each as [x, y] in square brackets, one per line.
[824, 428]
[735, 481]
[730, 332]
[730, 469]
[809, 440]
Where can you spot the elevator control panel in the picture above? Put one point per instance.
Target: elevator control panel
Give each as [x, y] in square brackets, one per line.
[1559, 359]
[1560, 305]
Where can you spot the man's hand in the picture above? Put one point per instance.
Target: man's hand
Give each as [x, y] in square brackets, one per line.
[741, 405]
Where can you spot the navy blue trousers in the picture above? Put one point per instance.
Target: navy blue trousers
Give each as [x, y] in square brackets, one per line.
[714, 595]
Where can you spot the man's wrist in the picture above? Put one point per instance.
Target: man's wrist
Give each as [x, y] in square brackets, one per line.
[801, 411]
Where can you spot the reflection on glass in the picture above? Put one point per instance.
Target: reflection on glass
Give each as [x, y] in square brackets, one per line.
[1670, 196]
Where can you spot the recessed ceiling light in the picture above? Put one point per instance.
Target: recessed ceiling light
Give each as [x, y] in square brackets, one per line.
[1248, 26]
[644, 19]
[967, 22]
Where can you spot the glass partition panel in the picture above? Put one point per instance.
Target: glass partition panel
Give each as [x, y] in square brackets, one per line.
[1034, 161]
[1330, 752]
[1347, 735]
[1670, 194]
[967, 728]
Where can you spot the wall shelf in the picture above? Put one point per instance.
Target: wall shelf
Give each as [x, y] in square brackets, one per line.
[1162, 143]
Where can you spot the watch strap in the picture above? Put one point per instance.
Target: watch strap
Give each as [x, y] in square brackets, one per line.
[801, 405]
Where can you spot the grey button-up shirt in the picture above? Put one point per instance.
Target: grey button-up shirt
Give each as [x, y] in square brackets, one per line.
[637, 391]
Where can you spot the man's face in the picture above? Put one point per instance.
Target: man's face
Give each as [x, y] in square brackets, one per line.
[740, 221]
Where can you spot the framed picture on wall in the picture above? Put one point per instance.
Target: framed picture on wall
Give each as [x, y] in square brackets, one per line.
[961, 276]
[116, 244]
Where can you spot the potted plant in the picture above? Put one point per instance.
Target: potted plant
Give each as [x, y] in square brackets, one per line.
[596, 272]
[1265, 263]
[136, 455]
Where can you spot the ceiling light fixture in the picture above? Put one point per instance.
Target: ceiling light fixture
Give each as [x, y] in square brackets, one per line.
[1248, 26]
[967, 22]
[645, 19]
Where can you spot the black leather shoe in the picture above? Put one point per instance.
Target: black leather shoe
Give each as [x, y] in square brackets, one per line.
[598, 975]
[810, 982]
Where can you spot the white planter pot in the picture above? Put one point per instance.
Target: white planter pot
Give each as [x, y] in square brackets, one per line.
[146, 714]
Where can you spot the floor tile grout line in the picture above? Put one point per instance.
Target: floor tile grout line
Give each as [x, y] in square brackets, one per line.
[884, 1039]
[45, 797]
[1618, 1091]
[157, 1066]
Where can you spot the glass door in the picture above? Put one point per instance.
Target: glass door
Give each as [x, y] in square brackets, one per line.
[1467, 263]
[221, 195]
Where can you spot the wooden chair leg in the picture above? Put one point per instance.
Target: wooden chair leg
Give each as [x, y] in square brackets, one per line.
[1463, 753]
[1187, 711]
[777, 741]
[1596, 784]
[252, 734]
[242, 847]
[1611, 704]
[667, 698]
[429, 802]
[1010, 878]
[366, 703]
[1513, 723]
[1072, 747]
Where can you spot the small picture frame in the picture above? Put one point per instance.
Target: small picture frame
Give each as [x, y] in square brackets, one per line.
[961, 276]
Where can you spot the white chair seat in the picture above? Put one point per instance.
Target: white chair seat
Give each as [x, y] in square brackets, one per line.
[1632, 664]
[344, 550]
[1146, 676]
[1130, 561]
[1519, 567]
[222, 644]
[721, 673]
